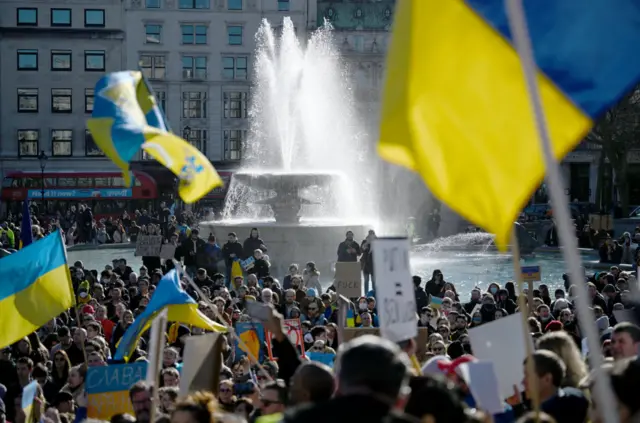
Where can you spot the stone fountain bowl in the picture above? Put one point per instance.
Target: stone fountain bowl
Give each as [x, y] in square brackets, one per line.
[285, 181]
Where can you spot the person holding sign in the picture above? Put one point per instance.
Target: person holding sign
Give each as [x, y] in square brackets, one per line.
[348, 250]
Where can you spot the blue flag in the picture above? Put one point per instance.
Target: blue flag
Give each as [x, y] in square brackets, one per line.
[26, 236]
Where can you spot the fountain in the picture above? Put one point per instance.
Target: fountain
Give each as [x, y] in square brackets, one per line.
[302, 156]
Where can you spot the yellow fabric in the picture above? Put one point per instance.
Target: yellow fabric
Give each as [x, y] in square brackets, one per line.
[456, 111]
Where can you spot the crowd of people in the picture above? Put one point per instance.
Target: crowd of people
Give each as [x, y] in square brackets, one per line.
[371, 379]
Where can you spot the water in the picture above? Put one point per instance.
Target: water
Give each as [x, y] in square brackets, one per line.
[303, 119]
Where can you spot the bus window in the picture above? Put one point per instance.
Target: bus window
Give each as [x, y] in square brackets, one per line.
[85, 182]
[8, 183]
[50, 182]
[102, 181]
[117, 181]
[32, 183]
[66, 182]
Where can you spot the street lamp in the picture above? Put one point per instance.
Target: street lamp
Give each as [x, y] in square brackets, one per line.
[42, 158]
[186, 132]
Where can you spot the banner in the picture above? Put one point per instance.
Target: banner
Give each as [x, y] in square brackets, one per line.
[148, 245]
[107, 388]
[348, 280]
[252, 334]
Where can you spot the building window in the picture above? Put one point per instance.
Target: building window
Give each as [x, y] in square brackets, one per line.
[88, 100]
[234, 35]
[153, 67]
[94, 60]
[283, 5]
[60, 17]
[194, 105]
[94, 18]
[28, 100]
[27, 16]
[194, 67]
[234, 4]
[153, 33]
[235, 105]
[198, 139]
[161, 97]
[234, 67]
[61, 142]
[193, 4]
[233, 141]
[152, 4]
[60, 60]
[28, 60]
[61, 100]
[194, 34]
[28, 142]
[90, 146]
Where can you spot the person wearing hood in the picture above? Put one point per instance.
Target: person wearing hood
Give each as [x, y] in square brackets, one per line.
[252, 243]
[435, 285]
[422, 298]
[506, 303]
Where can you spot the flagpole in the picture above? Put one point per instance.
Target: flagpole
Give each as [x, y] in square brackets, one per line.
[522, 43]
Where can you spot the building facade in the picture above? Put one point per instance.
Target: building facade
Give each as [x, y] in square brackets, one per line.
[51, 55]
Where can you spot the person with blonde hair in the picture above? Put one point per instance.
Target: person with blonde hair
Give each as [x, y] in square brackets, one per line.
[198, 407]
[564, 346]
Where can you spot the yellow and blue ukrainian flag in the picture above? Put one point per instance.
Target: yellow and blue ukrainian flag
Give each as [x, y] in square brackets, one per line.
[29, 394]
[180, 308]
[456, 108]
[35, 286]
[126, 119]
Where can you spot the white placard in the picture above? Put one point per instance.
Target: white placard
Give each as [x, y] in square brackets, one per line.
[395, 293]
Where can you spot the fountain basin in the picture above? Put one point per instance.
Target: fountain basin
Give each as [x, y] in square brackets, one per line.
[308, 240]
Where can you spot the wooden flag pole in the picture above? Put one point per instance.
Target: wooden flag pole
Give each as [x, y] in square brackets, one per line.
[522, 43]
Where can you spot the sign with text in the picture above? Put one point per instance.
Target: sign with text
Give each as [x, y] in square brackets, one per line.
[396, 298]
[531, 274]
[108, 388]
[348, 281]
[148, 245]
[293, 330]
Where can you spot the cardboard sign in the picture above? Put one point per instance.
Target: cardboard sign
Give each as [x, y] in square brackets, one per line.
[396, 296]
[293, 330]
[348, 280]
[531, 273]
[202, 359]
[107, 388]
[248, 263]
[252, 334]
[421, 339]
[148, 245]
[167, 251]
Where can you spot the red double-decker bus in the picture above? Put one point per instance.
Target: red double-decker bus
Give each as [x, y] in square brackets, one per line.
[104, 192]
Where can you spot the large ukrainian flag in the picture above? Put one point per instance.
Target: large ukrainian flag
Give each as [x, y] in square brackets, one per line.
[180, 308]
[456, 108]
[126, 119]
[35, 286]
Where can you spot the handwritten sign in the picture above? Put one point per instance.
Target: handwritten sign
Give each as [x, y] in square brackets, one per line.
[348, 280]
[148, 245]
[293, 330]
[531, 273]
[108, 388]
[322, 357]
[252, 334]
[248, 263]
[396, 297]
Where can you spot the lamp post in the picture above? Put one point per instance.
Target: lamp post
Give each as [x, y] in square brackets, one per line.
[186, 132]
[42, 158]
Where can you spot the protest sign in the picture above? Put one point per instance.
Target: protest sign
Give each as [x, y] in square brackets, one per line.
[252, 334]
[396, 297]
[107, 388]
[148, 245]
[436, 302]
[531, 274]
[248, 263]
[167, 251]
[322, 357]
[293, 330]
[202, 359]
[481, 379]
[348, 279]
[421, 339]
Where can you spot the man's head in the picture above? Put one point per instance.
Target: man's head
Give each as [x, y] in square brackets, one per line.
[273, 398]
[312, 382]
[549, 372]
[349, 236]
[355, 361]
[232, 237]
[625, 340]
[24, 366]
[140, 396]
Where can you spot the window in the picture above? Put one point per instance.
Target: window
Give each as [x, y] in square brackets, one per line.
[194, 104]
[198, 139]
[61, 142]
[234, 4]
[94, 17]
[235, 105]
[60, 60]
[234, 34]
[161, 97]
[27, 100]
[194, 67]
[28, 60]
[283, 5]
[60, 17]
[233, 140]
[28, 142]
[152, 4]
[153, 67]
[234, 67]
[193, 4]
[94, 60]
[153, 33]
[27, 16]
[90, 146]
[194, 34]
[88, 100]
[61, 100]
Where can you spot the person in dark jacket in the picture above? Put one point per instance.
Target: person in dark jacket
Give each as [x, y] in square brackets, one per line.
[231, 250]
[191, 250]
[348, 250]
[254, 242]
[435, 286]
[506, 303]
[422, 298]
